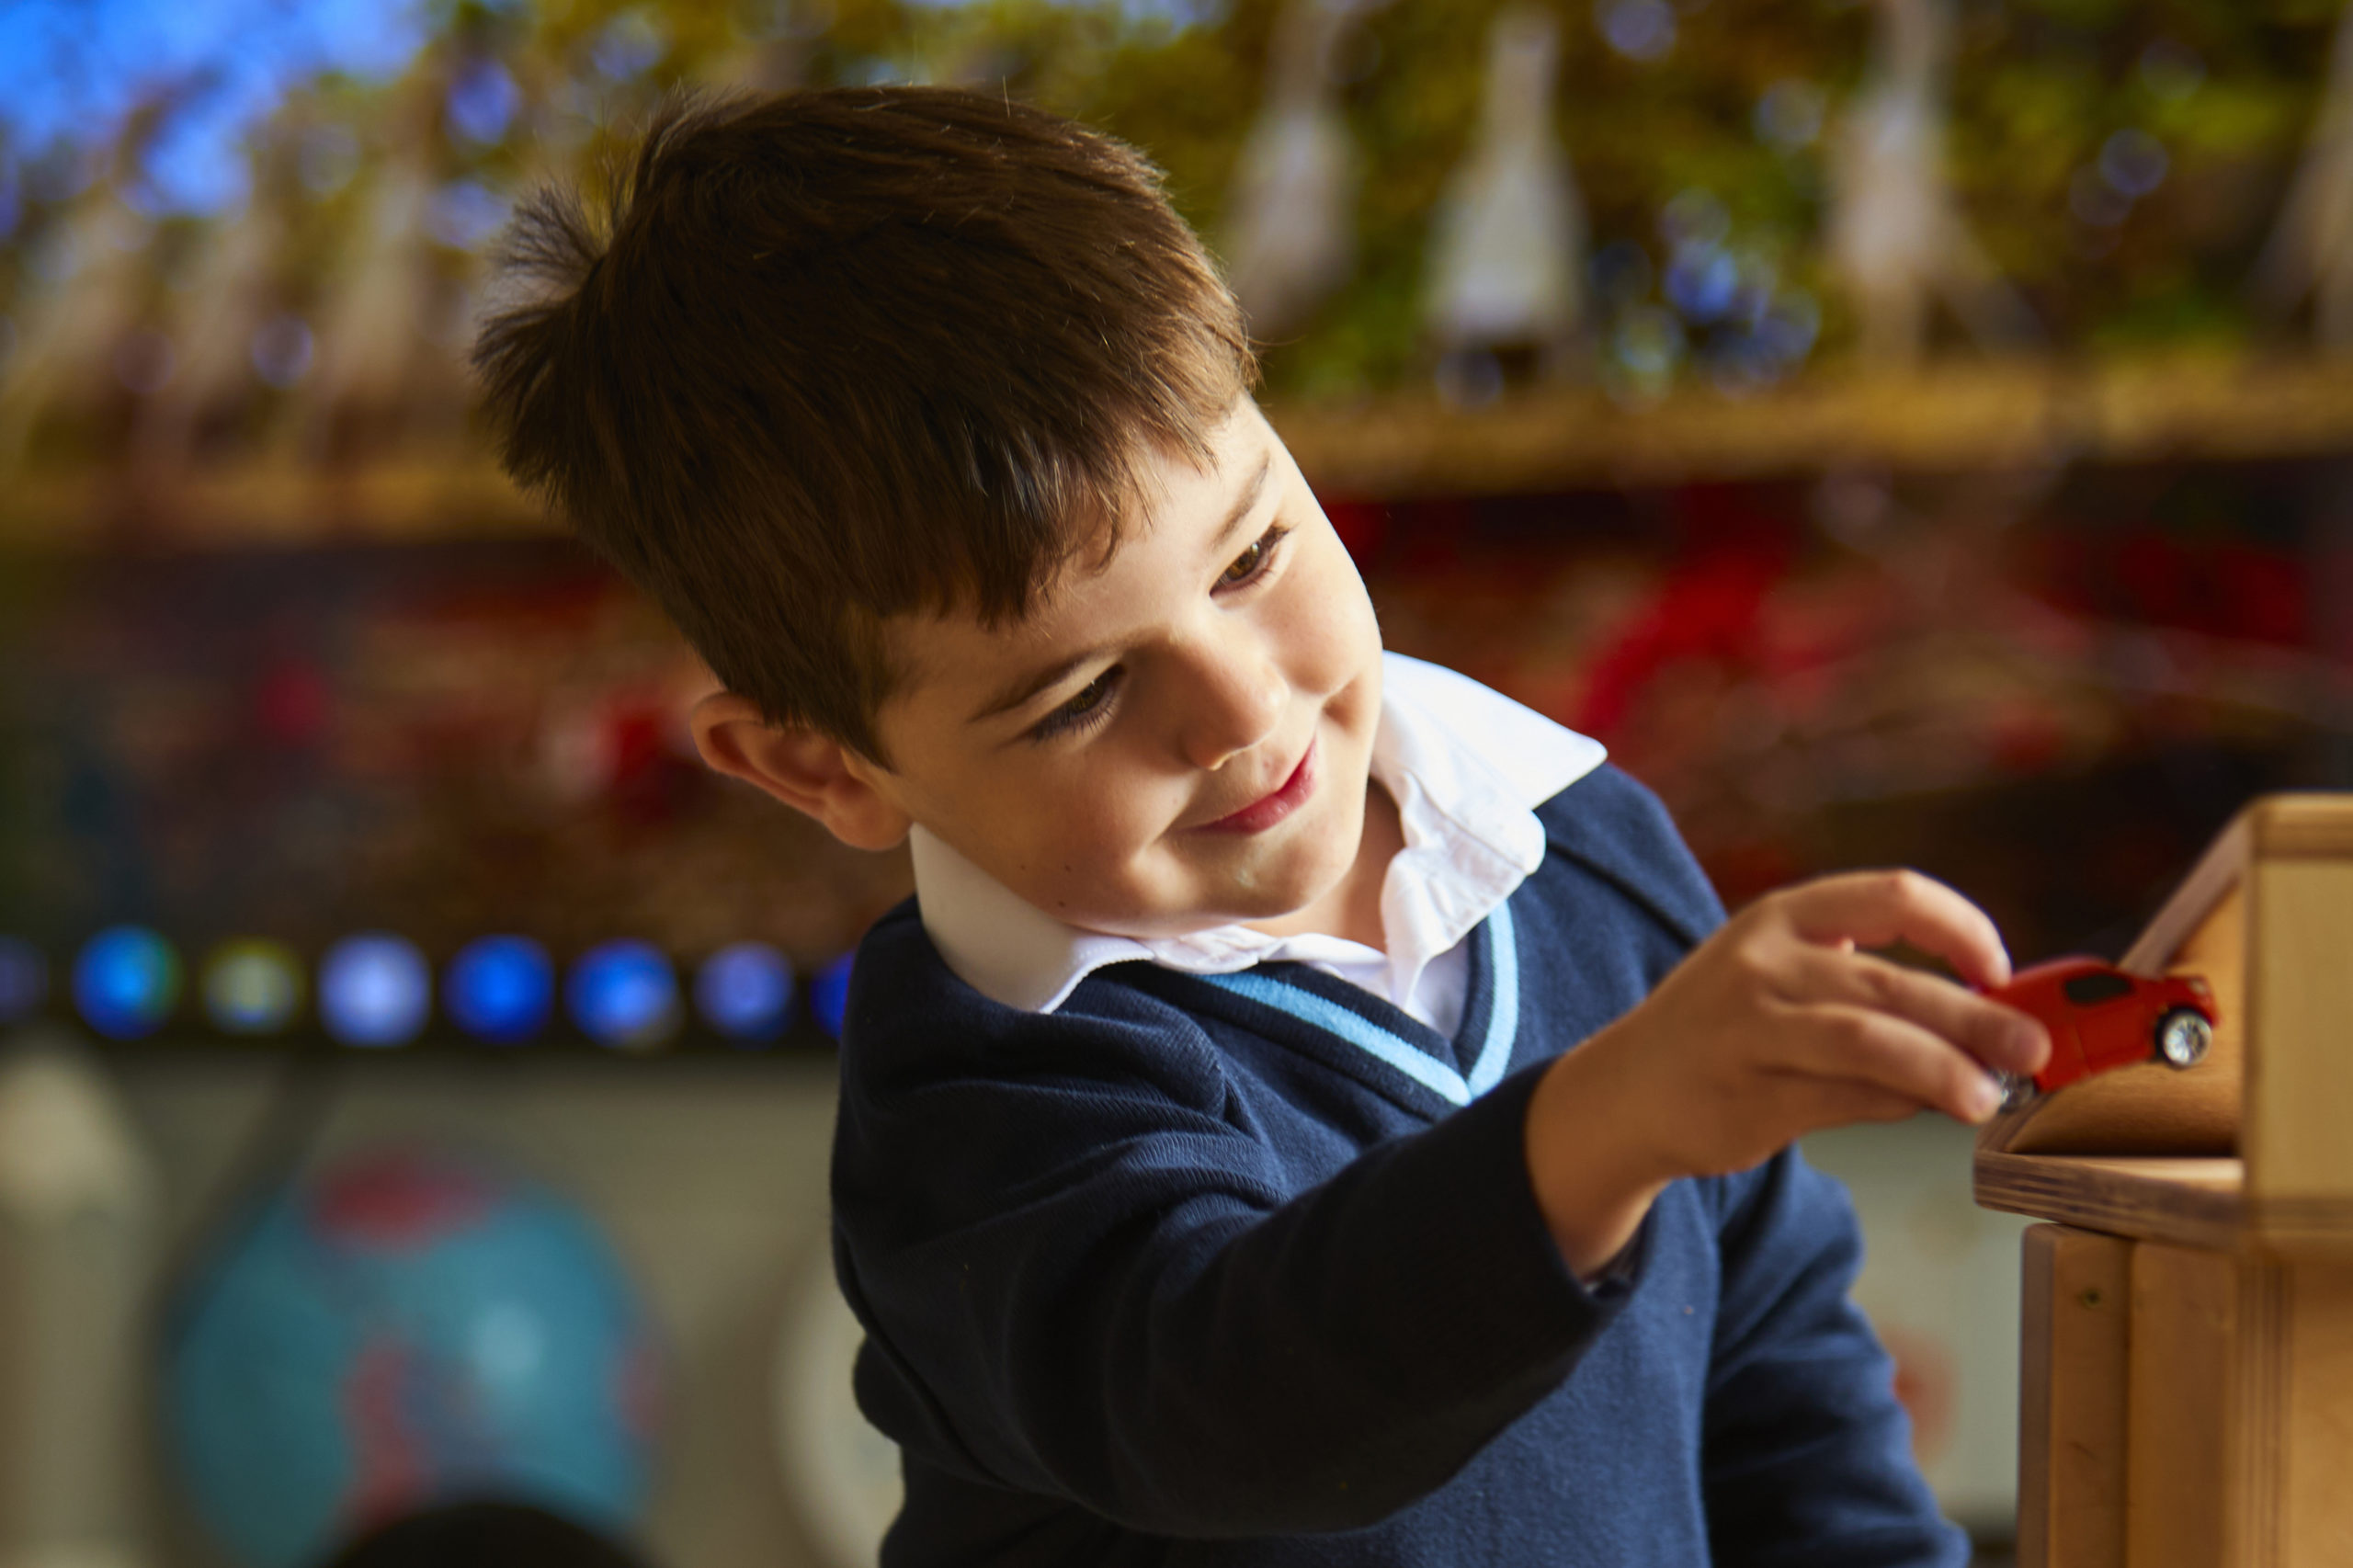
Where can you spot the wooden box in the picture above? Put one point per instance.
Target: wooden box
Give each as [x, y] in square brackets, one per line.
[2186, 1377]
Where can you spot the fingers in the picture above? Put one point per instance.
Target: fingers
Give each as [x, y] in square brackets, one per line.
[1892, 1055]
[1873, 909]
[1841, 1101]
[2001, 1039]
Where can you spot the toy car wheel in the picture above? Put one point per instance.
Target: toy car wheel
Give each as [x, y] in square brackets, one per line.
[2182, 1038]
[2016, 1089]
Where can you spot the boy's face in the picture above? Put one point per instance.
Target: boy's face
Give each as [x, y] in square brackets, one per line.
[1178, 740]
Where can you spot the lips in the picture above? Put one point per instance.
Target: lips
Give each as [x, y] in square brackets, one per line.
[1267, 809]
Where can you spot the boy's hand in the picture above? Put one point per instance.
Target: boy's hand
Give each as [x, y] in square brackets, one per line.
[1774, 1028]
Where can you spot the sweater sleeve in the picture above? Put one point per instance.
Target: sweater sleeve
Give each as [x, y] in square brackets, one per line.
[1146, 1317]
[1807, 1455]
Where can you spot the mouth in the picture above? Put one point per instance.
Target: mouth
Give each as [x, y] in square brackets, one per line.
[1267, 809]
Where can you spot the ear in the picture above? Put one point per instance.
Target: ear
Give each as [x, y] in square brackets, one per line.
[812, 773]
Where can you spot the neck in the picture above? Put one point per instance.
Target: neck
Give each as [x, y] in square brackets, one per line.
[1351, 910]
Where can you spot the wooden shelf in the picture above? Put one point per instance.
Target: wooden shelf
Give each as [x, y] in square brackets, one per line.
[2197, 1202]
[1963, 416]
[1958, 416]
[2194, 1202]
[265, 503]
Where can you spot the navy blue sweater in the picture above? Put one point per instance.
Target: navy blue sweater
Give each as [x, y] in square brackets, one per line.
[1226, 1271]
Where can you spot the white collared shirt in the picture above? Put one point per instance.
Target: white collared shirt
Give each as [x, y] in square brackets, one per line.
[1467, 767]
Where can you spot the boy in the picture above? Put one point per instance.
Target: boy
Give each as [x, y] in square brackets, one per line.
[1214, 1177]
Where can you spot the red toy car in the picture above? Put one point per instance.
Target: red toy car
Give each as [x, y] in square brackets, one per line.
[2101, 1017]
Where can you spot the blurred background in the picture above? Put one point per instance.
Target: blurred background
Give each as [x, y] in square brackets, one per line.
[1903, 430]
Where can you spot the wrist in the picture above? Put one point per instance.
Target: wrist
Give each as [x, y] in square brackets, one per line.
[1594, 1174]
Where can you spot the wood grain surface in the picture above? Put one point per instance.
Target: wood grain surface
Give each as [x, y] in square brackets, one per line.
[2194, 1202]
[2298, 1100]
[2073, 1382]
[2180, 1490]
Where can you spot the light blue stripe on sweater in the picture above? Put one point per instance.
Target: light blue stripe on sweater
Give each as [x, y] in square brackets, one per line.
[1354, 1027]
[1494, 1051]
[1503, 1018]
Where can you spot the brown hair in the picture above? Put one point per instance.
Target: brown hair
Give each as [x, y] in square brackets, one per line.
[838, 354]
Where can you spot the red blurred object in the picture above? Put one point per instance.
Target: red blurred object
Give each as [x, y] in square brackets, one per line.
[401, 1200]
[1710, 608]
[293, 702]
[1361, 525]
[2228, 588]
[2101, 1018]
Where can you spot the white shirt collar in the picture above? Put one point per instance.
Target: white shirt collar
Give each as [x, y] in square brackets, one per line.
[1466, 765]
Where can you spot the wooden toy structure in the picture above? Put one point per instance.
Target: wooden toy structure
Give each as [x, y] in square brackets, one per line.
[2187, 1361]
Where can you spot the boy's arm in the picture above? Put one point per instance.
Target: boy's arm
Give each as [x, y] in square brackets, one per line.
[1773, 1028]
[1159, 1325]
[1806, 1456]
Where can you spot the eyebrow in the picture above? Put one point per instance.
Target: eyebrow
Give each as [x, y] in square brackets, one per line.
[1021, 690]
[1243, 505]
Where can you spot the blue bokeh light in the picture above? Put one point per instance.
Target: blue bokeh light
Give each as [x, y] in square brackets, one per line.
[744, 991]
[632, 43]
[375, 990]
[465, 213]
[501, 989]
[1702, 283]
[624, 994]
[483, 101]
[1639, 29]
[126, 981]
[2133, 162]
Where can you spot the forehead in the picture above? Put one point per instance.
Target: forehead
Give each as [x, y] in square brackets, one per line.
[1171, 533]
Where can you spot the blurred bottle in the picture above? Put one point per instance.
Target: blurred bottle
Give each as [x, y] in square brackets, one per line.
[1895, 233]
[78, 304]
[2309, 253]
[1291, 229]
[1506, 252]
[76, 1255]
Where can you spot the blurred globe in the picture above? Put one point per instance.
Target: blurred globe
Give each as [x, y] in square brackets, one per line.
[374, 990]
[624, 994]
[403, 1330]
[126, 981]
[500, 989]
[744, 991]
[252, 986]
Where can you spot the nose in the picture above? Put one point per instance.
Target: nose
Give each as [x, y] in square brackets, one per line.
[1237, 697]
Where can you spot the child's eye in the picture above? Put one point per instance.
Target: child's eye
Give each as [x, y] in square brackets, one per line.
[1254, 559]
[1082, 712]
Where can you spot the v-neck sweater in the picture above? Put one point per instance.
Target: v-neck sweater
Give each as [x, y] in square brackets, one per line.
[1245, 1269]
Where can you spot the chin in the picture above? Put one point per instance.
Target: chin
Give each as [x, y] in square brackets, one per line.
[1297, 884]
[1269, 902]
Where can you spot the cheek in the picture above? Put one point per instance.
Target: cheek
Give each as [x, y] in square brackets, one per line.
[1092, 864]
[1093, 824]
[1340, 639]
